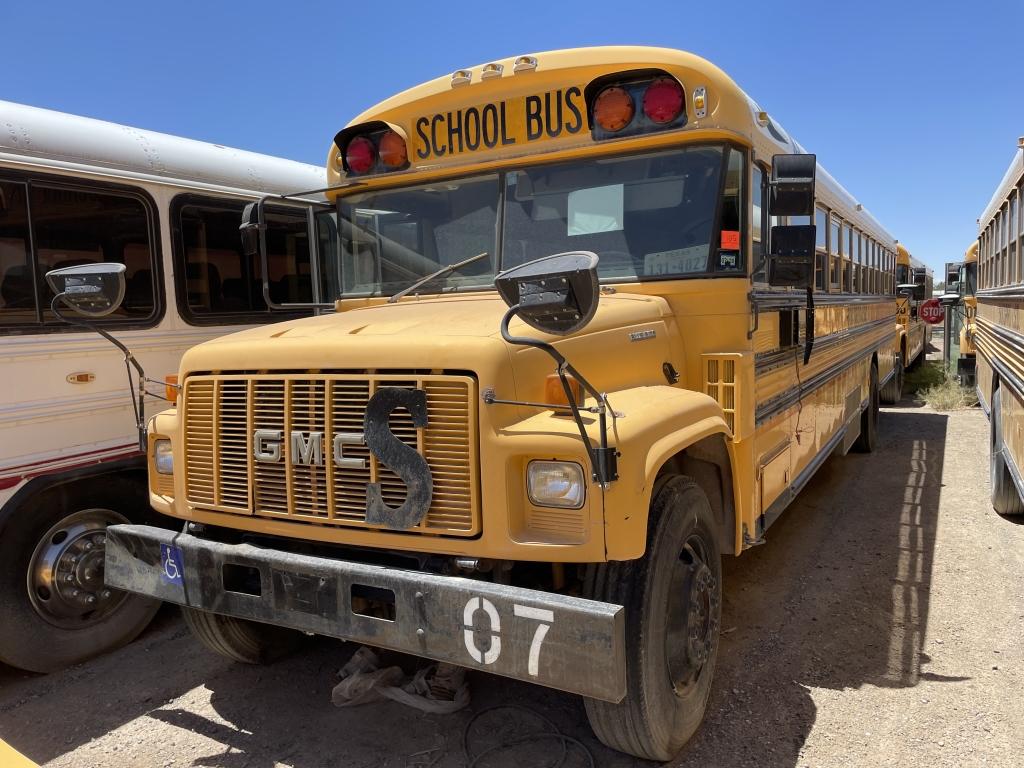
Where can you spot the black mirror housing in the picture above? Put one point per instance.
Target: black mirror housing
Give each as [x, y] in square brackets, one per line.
[792, 185]
[249, 229]
[791, 262]
[949, 299]
[91, 290]
[556, 294]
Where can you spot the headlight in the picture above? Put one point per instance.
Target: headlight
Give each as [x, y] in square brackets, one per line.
[163, 459]
[556, 484]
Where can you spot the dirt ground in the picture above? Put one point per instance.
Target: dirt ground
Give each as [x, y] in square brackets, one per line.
[881, 624]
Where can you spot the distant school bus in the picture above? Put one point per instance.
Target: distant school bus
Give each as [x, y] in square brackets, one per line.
[962, 358]
[999, 335]
[538, 482]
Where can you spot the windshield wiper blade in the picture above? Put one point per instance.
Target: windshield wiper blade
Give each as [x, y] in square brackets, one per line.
[434, 275]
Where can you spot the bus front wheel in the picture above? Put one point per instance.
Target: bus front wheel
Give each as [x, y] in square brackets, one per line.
[1005, 498]
[673, 603]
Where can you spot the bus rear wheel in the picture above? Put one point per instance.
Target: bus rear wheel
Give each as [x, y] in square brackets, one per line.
[673, 603]
[1005, 497]
[54, 607]
[893, 390]
[865, 442]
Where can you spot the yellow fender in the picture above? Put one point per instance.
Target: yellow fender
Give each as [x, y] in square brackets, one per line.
[656, 423]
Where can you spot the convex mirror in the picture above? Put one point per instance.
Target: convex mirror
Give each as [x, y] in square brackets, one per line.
[556, 294]
[91, 290]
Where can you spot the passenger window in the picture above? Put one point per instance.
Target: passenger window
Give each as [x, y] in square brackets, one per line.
[71, 226]
[217, 280]
[756, 234]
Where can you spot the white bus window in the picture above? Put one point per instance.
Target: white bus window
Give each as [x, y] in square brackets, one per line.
[71, 225]
[17, 293]
[217, 282]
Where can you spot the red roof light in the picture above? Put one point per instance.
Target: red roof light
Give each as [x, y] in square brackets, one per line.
[360, 155]
[663, 100]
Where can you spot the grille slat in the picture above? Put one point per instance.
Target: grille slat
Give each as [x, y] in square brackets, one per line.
[223, 412]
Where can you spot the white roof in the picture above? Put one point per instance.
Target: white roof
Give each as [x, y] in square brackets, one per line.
[1010, 179]
[60, 140]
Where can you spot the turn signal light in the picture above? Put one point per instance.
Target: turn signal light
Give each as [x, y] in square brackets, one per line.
[663, 100]
[613, 108]
[360, 154]
[171, 387]
[554, 393]
[392, 150]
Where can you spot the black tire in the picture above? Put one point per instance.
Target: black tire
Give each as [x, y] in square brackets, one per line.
[249, 642]
[658, 716]
[893, 390]
[868, 438]
[51, 563]
[1006, 499]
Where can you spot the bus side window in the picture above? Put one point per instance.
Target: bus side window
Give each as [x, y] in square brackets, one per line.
[217, 280]
[71, 225]
[756, 234]
[821, 272]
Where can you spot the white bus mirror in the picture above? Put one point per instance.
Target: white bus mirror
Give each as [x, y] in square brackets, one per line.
[91, 290]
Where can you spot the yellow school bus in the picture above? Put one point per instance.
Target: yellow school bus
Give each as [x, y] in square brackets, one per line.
[962, 354]
[599, 320]
[999, 336]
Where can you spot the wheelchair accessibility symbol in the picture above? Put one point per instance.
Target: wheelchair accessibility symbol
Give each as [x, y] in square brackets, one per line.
[170, 564]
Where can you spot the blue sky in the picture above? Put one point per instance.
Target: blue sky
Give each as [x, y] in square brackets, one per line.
[914, 106]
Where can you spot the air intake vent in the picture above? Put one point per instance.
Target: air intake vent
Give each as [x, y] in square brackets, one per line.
[722, 377]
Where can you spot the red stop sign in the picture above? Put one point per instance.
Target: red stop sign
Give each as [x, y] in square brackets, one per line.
[931, 311]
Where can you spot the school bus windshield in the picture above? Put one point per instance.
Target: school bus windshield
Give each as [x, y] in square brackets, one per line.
[646, 216]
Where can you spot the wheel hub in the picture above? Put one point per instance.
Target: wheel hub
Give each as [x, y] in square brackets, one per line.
[65, 575]
[693, 617]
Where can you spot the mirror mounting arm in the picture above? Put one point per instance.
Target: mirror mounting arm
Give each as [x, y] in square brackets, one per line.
[129, 359]
[604, 458]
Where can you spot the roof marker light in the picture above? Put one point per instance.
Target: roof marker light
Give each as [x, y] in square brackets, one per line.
[524, 64]
[461, 77]
[663, 100]
[491, 70]
[613, 109]
[700, 102]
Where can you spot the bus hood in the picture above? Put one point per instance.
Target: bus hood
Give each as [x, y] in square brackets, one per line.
[446, 333]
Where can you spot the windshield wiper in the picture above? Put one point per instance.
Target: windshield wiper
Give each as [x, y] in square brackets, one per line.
[433, 275]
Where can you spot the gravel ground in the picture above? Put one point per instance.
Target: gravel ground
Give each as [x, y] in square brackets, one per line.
[880, 625]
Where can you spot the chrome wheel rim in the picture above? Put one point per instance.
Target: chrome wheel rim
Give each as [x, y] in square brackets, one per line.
[65, 574]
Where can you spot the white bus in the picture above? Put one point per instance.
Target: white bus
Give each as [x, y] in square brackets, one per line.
[75, 190]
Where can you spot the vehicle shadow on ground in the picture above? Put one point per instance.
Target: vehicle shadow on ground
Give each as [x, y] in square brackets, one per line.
[837, 599]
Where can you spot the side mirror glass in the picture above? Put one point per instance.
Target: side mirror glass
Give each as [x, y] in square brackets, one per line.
[91, 290]
[556, 294]
[791, 262]
[906, 289]
[250, 230]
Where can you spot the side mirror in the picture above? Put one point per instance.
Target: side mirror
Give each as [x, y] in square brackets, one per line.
[791, 193]
[250, 229]
[556, 294]
[791, 262]
[906, 289]
[92, 290]
[949, 299]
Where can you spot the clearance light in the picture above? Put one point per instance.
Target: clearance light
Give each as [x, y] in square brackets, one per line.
[392, 150]
[613, 108]
[360, 155]
[663, 100]
[555, 394]
[555, 484]
[700, 102]
[171, 387]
